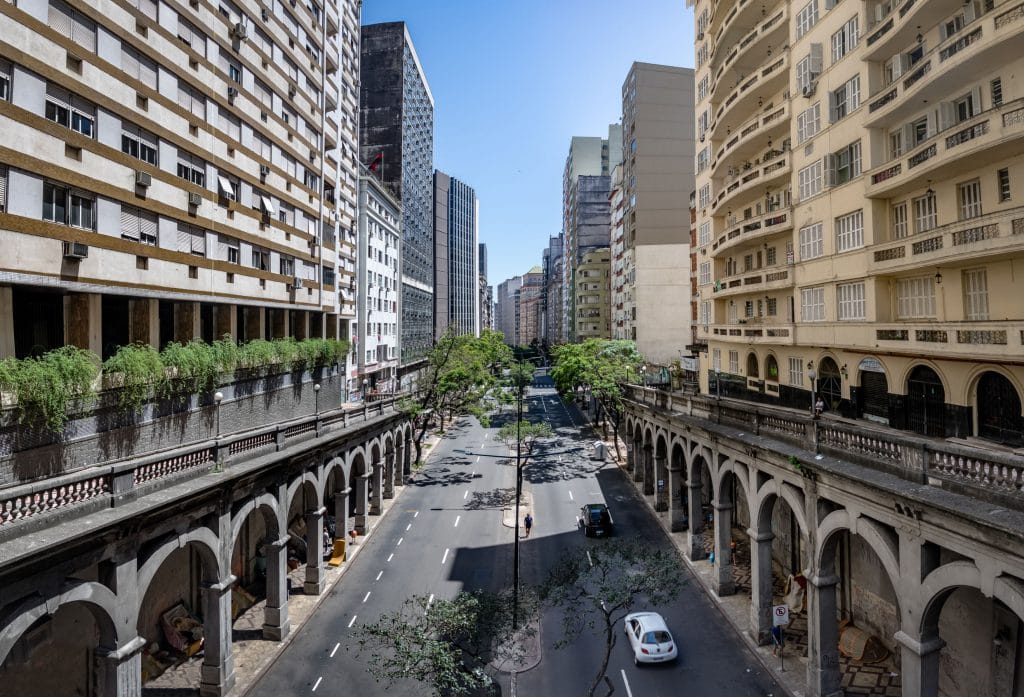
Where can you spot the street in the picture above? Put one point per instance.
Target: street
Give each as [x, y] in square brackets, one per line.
[446, 534]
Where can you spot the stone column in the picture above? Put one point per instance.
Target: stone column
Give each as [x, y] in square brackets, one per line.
[919, 664]
[217, 674]
[723, 580]
[341, 513]
[389, 474]
[6, 322]
[629, 458]
[823, 676]
[187, 324]
[399, 462]
[407, 459]
[661, 493]
[119, 671]
[254, 319]
[144, 321]
[276, 624]
[761, 596]
[676, 501]
[300, 324]
[376, 490]
[314, 584]
[225, 320]
[648, 471]
[83, 321]
[638, 461]
[362, 502]
[694, 542]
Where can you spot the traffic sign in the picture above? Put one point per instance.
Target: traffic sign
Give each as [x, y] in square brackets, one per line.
[780, 615]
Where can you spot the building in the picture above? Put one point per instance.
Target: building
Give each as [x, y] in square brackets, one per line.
[486, 292]
[456, 274]
[505, 308]
[858, 186]
[160, 184]
[396, 140]
[554, 260]
[593, 308]
[657, 176]
[376, 342]
[621, 276]
[585, 224]
[530, 308]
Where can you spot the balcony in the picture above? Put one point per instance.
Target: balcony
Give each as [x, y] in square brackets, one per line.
[899, 28]
[734, 25]
[961, 243]
[752, 333]
[776, 221]
[977, 340]
[757, 43]
[763, 84]
[749, 139]
[991, 136]
[949, 68]
[773, 169]
[758, 281]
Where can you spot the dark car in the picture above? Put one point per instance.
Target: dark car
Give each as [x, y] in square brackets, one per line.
[596, 520]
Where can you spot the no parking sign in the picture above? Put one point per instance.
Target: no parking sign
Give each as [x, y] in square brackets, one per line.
[780, 615]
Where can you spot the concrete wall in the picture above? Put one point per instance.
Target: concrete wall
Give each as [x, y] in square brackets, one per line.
[872, 596]
[55, 657]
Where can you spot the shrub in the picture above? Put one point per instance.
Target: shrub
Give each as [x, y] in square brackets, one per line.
[46, 386]
[194, 364]
[140, 371]
[256, 354]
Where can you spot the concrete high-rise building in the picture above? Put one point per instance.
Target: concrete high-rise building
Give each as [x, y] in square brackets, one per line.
[175, 179]
[485, 291]
[593, 307]
[397, 143]
[505, 308]
[621, 276]
[530, 310]
[554, 307]
[585, 224]
[456, 273]
[657, 177]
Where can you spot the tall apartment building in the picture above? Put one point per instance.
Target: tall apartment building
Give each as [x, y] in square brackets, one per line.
[621, 273]
[530, 308]
[456, 273]
[657, 176]
[592, 319]
[485, 292]
[554, 316]
[396, 138]
[505, 308]
[585, 207]
[171, 172]
[379, 283]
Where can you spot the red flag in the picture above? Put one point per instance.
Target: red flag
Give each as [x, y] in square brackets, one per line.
[377, 161]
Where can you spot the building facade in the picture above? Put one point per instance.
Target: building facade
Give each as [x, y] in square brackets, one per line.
[530, 308]
[456, 274]
[657, 176]
[485, 291]
[397, 139]
[554, 307]
[593, 292]
[377, 336]
[621, 276]
[505, 308]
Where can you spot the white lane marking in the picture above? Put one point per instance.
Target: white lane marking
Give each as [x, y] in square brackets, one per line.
[457, 519]
[629, 692]
[445, 557]
[317, 683]
[465, 495]
[391, 556]
[415, 514]
[407, 527]
[472, 474]
[589, 559]
[367, 596]
[399, 541]
[381, 573]
[570, 497]
[335, 649]
[477, 460]
[352, 621]
[430, 602]
[545, 405]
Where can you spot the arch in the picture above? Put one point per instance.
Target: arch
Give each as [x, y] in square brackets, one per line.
[271, 514]
[939, 585]
[305, 479]
[97, 598]
[761, 510]
[661, 444]
[771, 368]
[830, 382]
[926, 401]
[732, 468]
[998, 412]
[339, 466]
[753, 367]
[357, 461]
[873, 389]
[206, 543]
[1010, 592]
[866, 529]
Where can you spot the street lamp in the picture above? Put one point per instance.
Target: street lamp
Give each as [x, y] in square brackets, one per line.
[316, 399]
[718, 384]
[218, 397]
[813, 377]
[643, 375]
[520, 387]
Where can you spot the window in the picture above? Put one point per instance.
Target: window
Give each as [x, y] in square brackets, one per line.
[286, 214]
[704, 233]
[191, 100]
[705, 312]
[808, 70]
[228, 186]
[811, 242]
[191, 168]
[772, 305]
[1004, 184]
[900, 229]
[146, 7]
[261, 144]
[915, 297]
[808, 123]
[138, 66]
[850, 231]
[846, 164]
[748, 308]
[227, 249]
[287, 266]
[845, 40]
[192, 37]
[310, 180]
[796, 372]
[289, 165]
[70, 111]
[703, 158]
[734, 362]
[919, 132]
[704, 196]
[806, 18]
[964, 108]
[810, 180]
[845, 99]
[704, 275]
[5, 80]
[997, 92]
[264, 95]
[975, 282]
[3, 188]
[191, 240]
[262, 202]
[716, 360]
[896, 145]
[72, 24]
[229, 123]
[138, 143]
[703, 87]
[925, 213]
[769, 256]
[812, 304]
[69, 207]
[55, 203]
[138, 225]
[969, 196]
[260, 259]
[702, 55]
[850, 300]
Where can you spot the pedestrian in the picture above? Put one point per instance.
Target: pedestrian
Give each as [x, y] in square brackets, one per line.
[819, 407]
[528, 523]
[776, 640]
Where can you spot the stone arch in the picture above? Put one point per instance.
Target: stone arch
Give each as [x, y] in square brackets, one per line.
[662, 491]
[1010, 592]
[771, 368]
[647, 460]
[359, 503]
[206, 544]
[868, 530]
[753, 365]
[764, 501]
[998, 416]
[301, 482]
[731, 473]
[677, 479]
[266, 504]
[939, 585]
[701, 470]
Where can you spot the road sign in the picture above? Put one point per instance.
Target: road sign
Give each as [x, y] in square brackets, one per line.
[780, 615]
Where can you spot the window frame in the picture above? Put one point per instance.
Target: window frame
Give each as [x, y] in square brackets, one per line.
[812, 304]
[849, 230]
[851, 304]
[814, 241]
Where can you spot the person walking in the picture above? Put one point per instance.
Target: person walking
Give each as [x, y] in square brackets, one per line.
[528, 523]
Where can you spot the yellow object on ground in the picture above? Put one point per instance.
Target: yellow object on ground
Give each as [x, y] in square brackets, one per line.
[338, 554]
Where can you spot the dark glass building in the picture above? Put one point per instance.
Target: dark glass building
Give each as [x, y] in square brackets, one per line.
[456, 286]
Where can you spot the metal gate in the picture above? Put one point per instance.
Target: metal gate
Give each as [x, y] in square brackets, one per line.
[830, 384]
[999, 417]
[926, 403]
[874, 394]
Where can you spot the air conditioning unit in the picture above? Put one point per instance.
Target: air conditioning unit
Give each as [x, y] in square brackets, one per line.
[291, 92]
[240, 32]
[808, 90]
[76, 251]
[194, 198]
[143, 179]
[232, 93]
[264, 14]
[264, 170]
[297, 282]
[700, 36]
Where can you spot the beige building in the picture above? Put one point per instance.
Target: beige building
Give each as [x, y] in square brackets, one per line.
[593, 294]
[859, 226]
[621, 278]
[171, 172]
[530, 308]
[657, 177]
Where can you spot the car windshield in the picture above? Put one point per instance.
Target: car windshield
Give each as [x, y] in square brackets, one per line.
[657, 637]
[596, 516]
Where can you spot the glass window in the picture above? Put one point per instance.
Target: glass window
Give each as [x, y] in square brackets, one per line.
[138, 143]
[811, 242]
[812, 304]
[808, 123]
[704, 275]
[191, 168]
[810, 180]
[5, 80]
[55, 203]
[846, 99]
[969, 195]
[716, 359]
[796, 372]
[138, 225]
[138, 66]
[704, 233]
[1004, 184]
[915, 297]
[925, 213]
[850, 299]
[975, 282]
[850, 231]
[806, 18]
[845, 40]
[70, 110]
[734, 362]
[191, 37]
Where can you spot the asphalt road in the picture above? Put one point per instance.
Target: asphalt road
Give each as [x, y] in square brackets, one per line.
[446, 534]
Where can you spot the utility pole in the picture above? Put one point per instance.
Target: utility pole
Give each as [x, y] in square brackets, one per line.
[517, 376]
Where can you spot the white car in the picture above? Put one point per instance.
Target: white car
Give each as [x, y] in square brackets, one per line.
[649, 638]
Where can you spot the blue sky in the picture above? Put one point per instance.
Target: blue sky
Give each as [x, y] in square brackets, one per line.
[513, 81]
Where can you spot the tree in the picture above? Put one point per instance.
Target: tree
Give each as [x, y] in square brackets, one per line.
[600, 366]
[446, 644]
[461, 370]
[525, 434]
[597, 590]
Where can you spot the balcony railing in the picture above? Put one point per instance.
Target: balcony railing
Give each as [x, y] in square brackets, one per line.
[774, 221]
[993, 233]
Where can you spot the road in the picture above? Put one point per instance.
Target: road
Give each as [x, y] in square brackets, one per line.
[445, 534]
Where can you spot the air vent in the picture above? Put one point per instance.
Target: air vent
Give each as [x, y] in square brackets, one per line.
[76, 251]
[143, 179]
[194, 198]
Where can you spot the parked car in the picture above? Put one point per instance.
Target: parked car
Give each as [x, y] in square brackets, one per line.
[595, 520]
[649, 638]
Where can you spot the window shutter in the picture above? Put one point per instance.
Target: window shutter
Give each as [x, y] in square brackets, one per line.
[147, 72]
[148, 8]
[970, 13]
[184, 98]
[908, 137]
[129, 61]
[816, 60]
[932, 123]
[59, 17]
[84, 32]
[830, 170]
[898, 65]
[801, 128]
[947, 115]
[222, 247]
[199, 242]
[129, 222]
[184, 239]
[976, 101]
[832, 107]
[148, 226]
[3, 188]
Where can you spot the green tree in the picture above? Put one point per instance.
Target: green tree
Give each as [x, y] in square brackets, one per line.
[600, 367]
[525, 434]
[598, 586]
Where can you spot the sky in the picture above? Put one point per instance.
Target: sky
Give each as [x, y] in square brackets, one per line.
[513, 81]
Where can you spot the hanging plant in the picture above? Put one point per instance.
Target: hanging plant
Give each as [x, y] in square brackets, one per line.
[225, 354]
[135, 371]
[256, 354]
[192, 367]
[46, 386]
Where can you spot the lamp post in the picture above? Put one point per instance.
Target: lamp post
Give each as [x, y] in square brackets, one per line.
[316, 399]
[812, 375]
[718, 384]
[643, 375]
[520, 387]
[218, 397]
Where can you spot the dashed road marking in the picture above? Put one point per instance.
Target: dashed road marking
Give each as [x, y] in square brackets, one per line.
[457, 519]
[629, 692]
[397, 544]
[352, 621]
[367, 596]
[590, 559]
[465, 495]
[570, 497]
[391, 556]
[407, 527]
[445, 557]
[415, 514]
[379, 574]
[430, 601]
[335, 649]
[317, 683]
